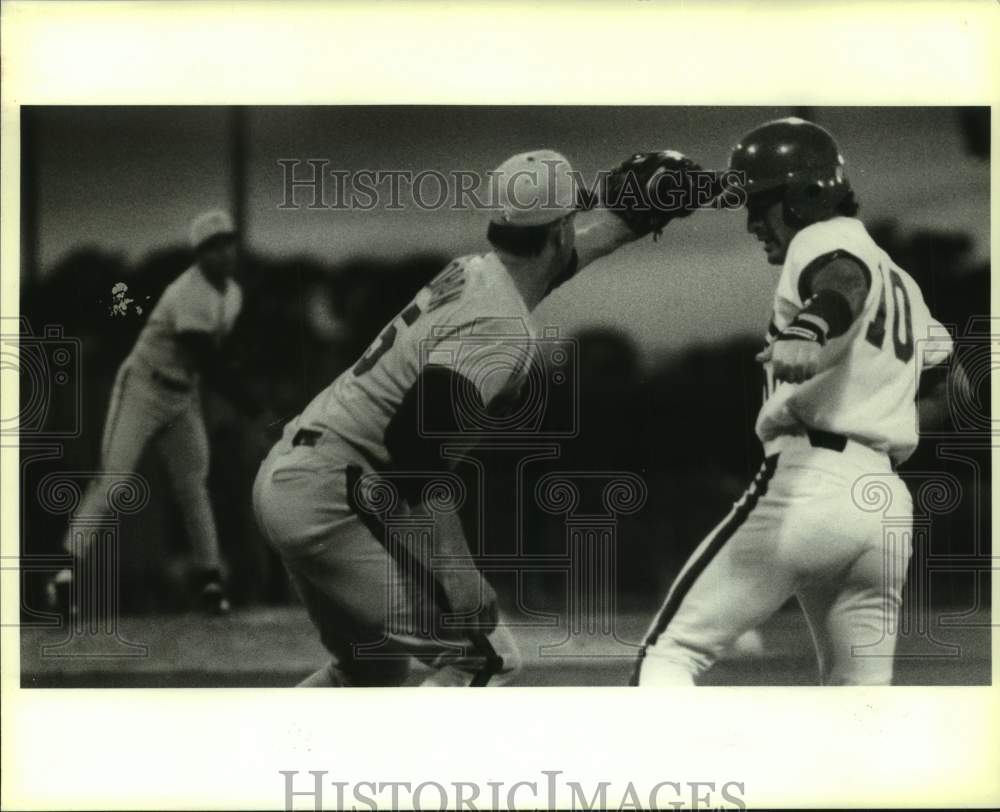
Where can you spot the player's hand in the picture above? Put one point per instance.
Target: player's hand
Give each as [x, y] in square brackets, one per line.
[792, 361]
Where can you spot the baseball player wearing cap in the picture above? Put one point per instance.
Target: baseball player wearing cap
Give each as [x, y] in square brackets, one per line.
[462, 345]
[848, 341]
[157, 399]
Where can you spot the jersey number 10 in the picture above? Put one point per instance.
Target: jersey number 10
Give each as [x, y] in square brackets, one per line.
[901, 344]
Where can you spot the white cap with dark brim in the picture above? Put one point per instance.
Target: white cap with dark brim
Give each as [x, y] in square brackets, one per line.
[532, 189]
[211, 224]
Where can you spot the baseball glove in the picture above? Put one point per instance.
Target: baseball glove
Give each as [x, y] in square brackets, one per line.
[650, 189]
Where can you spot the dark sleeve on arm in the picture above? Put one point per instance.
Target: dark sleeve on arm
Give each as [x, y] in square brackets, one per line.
[431, 414]
[835, 265]
[844, 279]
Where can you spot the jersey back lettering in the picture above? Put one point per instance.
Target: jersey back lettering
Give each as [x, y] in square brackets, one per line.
[470, 318]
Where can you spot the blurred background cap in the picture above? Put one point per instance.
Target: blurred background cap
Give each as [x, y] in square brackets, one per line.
[533, 188]
[211, 224]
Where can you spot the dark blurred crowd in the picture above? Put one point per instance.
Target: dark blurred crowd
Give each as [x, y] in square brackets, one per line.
[684, 426]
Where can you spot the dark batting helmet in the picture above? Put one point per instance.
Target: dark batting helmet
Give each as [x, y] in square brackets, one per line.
[798, 158]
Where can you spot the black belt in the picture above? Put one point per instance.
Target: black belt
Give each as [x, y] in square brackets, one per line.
[826, 439]
[170, 383]
[307, 437]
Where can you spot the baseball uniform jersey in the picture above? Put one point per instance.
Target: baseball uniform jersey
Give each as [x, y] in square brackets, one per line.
[190, 304]
[801, 529]
[470, 319]
[156, 398]
[866, 389]
[358, 587]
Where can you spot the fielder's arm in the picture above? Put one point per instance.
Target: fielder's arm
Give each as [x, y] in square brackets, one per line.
[835, 297]
[639, 197]
[599, 233]
[414, 441]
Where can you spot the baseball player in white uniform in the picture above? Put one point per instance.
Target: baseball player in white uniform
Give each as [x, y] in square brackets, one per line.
[157, 399]
[463, 345]
[849, 338]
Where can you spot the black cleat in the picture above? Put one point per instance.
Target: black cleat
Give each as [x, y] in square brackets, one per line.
[214, 600]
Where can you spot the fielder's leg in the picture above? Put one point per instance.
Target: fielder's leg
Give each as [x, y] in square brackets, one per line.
[485, 660]
[344, 575]
[341, 632]
[370, 618]
[132, 420]
[183, 444]
[372, 614]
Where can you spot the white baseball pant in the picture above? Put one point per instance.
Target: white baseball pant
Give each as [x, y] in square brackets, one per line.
[368, 602]
[146, 409]
[801, 529]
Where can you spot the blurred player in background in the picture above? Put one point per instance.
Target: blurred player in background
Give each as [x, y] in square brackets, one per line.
[156, 399]
[463, 343]
[848, 341]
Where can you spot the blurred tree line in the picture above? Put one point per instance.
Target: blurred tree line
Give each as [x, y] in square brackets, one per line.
[685, 426]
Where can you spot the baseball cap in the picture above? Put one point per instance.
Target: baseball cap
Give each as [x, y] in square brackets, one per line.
[211, 224]
[533, 188]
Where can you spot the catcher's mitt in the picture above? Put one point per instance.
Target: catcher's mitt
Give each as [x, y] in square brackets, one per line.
[650, 189]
